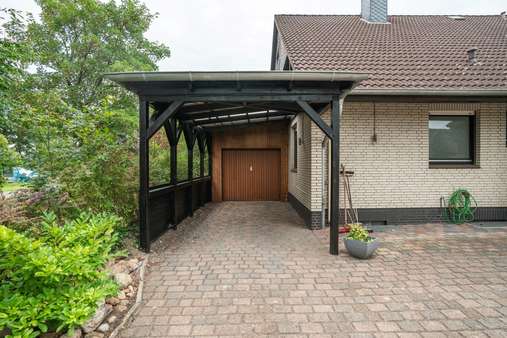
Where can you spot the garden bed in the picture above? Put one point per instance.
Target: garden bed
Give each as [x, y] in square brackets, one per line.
[57, 275]
[115, 311]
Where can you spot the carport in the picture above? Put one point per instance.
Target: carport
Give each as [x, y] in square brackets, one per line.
[193, 104]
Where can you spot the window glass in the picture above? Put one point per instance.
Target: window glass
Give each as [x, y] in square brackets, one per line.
[450, 138]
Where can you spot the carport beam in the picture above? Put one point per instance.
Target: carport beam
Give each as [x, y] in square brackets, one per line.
[335, 177]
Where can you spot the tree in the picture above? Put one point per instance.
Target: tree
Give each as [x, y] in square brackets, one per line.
[77, 41]
[8, 158]
[13, 58]
[78, 132]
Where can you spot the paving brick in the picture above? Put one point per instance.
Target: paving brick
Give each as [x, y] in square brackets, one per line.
[203, 330]
[387, 326]
[433, 325]
[311, 328]
[255, 270]
[365, 326]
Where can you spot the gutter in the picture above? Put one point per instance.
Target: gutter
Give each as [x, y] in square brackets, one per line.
[326, 76]
[430, 92]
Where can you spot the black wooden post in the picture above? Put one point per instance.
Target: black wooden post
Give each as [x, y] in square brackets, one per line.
[201, 162]
[171, 130]
[188, 132]
[174, 164]
[190, 197]
[209, 196]
[335, 176]
[144, 222]
[201, 142]
[209, 148]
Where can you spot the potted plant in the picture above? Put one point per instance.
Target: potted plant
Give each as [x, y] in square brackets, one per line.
[359, 243]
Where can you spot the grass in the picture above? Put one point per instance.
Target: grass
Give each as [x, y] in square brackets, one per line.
[13, 186]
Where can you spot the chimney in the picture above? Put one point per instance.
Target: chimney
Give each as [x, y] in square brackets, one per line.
[374, 11]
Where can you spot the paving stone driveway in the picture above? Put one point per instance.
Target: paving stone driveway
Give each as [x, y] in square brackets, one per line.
[252, 269]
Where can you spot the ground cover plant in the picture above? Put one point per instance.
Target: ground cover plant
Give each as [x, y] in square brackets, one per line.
[54, 282]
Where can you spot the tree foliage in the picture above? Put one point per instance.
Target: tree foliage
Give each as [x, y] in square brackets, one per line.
[76, 130]
[78, 41]
[8, 158]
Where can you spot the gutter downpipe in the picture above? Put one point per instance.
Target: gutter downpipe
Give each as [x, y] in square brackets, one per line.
[323, 183]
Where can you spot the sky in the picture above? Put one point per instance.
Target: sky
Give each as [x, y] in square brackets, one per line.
[237, 34]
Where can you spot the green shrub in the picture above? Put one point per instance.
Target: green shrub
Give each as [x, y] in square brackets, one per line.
[359, 233]
[55, 281]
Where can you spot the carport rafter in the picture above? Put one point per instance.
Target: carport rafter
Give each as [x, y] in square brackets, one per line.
[182, 95]
[245, 117]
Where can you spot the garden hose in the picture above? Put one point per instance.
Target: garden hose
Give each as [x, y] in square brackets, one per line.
[461, 207]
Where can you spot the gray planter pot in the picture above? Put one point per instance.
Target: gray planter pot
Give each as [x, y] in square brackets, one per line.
[360, 249]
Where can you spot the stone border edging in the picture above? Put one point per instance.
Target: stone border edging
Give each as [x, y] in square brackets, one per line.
[139, 298]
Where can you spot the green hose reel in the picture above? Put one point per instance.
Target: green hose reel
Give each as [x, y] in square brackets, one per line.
[461, 207]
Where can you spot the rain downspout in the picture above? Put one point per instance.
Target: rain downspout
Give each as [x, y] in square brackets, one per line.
[323, 183]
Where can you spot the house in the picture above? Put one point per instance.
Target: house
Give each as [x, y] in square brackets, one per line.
[413, 107]
[430, 118]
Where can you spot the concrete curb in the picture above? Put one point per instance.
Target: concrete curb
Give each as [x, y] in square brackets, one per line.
[139, 298]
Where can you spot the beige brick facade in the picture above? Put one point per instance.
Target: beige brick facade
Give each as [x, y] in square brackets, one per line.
[394, 171]
[300, 178]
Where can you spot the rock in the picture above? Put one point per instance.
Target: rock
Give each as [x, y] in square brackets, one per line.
[123, 279]
[133, 264]
[113, 301]
[122, 308]
[101, 313]
[94, 335]
[5, 332]
[77, 334]
[112, 319]
[121, 295]
[103, 327]
[118, 267]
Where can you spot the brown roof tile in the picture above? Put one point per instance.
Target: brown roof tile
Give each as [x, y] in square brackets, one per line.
[411, 52]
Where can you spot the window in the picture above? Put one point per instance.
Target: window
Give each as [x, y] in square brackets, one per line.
[451, 139]
[294, 147]
[287, 65]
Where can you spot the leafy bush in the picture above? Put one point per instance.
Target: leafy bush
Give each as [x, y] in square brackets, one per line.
[55, 281]
[359, 233]
[14, 211]
[8, 158]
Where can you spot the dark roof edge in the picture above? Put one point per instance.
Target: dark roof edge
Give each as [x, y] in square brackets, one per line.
[431, 92]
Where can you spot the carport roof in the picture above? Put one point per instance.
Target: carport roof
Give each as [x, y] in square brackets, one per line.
[130, 78]
[216, 99]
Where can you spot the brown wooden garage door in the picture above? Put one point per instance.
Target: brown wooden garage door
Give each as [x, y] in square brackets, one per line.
[251, 175]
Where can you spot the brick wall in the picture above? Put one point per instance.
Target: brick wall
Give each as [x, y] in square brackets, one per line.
[300, 179]
[394, 171]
